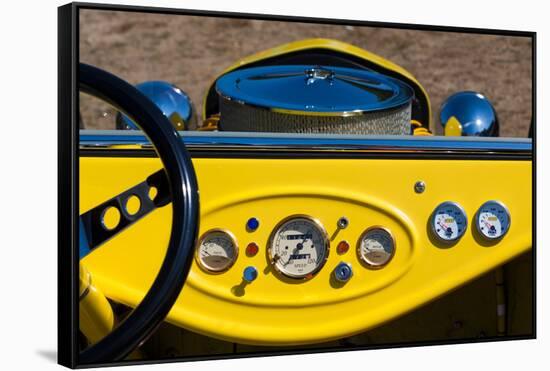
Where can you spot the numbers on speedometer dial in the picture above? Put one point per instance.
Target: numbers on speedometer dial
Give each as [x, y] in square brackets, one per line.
[217, 250]
[449, 222]
[298, 247]
[492, 220]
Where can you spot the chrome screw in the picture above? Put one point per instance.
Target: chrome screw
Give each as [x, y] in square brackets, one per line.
[343, 222]
[419, 187]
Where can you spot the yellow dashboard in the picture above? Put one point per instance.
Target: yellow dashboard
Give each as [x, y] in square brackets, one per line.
[249, 199]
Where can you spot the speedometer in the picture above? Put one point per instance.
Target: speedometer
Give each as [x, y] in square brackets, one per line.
[492, 220]
[298, 246]
[449, 221]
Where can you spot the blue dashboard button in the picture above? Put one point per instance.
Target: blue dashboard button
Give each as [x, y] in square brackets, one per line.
[250, 274]
[252, 224]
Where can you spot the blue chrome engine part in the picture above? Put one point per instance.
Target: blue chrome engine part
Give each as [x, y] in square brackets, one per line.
[473, 111]
[313, 99]
[172, 101]
[314, 89]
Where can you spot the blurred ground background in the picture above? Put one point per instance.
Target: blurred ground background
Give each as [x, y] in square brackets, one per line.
[191, 51]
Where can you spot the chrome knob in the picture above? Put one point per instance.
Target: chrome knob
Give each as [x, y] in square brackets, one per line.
[343, 272]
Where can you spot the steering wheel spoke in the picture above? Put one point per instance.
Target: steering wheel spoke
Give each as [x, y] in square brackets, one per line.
[93, 229]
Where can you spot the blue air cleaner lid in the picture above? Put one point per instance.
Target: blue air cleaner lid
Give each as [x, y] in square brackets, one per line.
[314, 89]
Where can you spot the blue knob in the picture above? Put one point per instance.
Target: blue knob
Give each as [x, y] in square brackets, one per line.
[252, 224]
[343, 272]
[250, 274]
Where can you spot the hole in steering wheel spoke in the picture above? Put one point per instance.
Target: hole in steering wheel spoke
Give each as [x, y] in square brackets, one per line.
[132, 205]
[110, 218]
[153, 191]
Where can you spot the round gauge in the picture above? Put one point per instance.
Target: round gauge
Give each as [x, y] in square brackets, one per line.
[376, 247]
[217, 250]
[298, 246]
[449, 221]
[492, 220]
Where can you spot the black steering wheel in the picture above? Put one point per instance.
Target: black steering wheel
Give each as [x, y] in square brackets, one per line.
[182, 183]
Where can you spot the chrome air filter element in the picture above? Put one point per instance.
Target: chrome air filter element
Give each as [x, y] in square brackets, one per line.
[313, 99]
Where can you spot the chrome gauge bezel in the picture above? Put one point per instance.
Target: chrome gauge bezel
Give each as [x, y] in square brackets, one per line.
[434, 214]
[206, 235]
[326, 243]
[363, 260]
[476, 220]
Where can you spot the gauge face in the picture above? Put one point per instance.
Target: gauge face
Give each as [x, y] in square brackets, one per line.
[298, 247]
[492, 220]
[376, 247]
[217, 250]
[449, 222]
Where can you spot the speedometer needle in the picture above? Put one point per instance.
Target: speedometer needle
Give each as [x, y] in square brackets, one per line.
[288, 260]
[292, 253]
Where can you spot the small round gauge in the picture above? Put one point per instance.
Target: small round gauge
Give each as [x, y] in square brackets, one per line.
[492, 220]
[449, 221]
[376, 247]
[217, 250]
[298, 246]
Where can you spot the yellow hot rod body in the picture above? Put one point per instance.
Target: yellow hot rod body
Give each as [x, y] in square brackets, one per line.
[275, 311]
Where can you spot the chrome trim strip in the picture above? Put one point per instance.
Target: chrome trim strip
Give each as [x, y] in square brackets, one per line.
[357, 112]
[295, 112]
[229, 141]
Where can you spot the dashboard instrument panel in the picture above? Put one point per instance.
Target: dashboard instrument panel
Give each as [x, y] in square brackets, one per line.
[299, 260]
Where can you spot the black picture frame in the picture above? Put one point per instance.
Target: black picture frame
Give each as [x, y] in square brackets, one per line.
[68, 167]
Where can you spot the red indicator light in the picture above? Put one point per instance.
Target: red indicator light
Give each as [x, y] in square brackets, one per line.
[252, 249]
[342, 248]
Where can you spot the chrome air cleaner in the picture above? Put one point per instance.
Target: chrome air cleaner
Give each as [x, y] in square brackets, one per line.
[313, 99]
